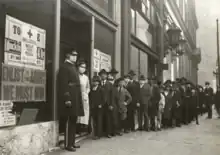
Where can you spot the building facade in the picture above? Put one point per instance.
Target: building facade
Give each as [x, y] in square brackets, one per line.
[84, 25]
[139, 30]
[124, 34]
[182, 14]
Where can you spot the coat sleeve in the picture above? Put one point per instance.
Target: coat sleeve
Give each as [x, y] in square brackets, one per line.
[128, 97]
[63, 84]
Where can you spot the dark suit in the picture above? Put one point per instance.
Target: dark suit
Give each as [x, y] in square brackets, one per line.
[176, 107]
[97, 105]
[209, 100]
[134, 90]
[123, 96]
[69, 90]
[107, 91]
[187, 103]
[143, 111]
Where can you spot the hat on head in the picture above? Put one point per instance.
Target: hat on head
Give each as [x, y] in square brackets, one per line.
[80, 62]
[131, 73]
[96, 78]
[142, 77]
[127, 76]
[72, 52]
[103, 71]
[120, 79]
[113, 71]
[207, 83]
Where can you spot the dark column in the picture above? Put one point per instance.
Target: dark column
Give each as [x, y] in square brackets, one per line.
[125, 35]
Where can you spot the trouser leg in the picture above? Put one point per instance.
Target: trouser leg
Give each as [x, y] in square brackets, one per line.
[70, 131]
[140, 118]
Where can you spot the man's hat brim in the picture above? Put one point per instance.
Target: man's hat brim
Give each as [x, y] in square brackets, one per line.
[103, 71]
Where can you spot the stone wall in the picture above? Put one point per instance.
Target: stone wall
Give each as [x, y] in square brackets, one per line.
[29, 139]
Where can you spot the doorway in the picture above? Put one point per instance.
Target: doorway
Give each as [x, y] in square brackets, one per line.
[75, 33]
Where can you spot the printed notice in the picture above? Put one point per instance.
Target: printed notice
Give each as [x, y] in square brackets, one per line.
[6, 117]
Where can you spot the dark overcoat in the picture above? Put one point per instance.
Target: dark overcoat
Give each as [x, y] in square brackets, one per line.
[69, 90]
[168, 105]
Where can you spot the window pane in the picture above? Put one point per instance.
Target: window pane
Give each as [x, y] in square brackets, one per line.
[144, 63]
[142, 30]
[134, 60]
[105, 5]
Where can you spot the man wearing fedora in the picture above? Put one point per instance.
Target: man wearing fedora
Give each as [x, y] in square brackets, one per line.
[145, 94]
[208, 98]
[107, 91]
[133, 88]
[70, 100]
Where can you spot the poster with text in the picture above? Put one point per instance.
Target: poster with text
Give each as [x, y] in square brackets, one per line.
[105, 61]
[6, 117]
[24, 44]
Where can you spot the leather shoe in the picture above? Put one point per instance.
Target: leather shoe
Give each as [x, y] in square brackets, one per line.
[76, 146]
[71, 149]
[109, 136]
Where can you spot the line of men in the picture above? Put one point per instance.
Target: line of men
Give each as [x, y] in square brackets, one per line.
[115, 102]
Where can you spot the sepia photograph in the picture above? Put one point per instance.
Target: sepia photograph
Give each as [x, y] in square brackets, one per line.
[109, 77]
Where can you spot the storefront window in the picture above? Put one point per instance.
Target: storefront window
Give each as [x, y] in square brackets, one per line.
[142, 30]
[26, 50]
[134, 60]
[106, 6]
[143, 63]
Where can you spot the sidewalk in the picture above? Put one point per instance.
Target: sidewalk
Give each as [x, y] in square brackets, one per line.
[187, 140]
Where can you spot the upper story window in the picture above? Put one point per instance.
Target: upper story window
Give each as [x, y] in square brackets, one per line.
[105, 6]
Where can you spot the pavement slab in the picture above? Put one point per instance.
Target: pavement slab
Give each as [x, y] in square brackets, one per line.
[203, 139]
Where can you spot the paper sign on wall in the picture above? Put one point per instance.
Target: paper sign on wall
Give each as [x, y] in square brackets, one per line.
[6, 117]
[102, 60]
[24, 44]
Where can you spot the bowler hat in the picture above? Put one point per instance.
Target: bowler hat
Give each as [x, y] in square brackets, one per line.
[207, 83]
[127, 76]
[96, 78]
[120, 79]
[113, 71]
[142, 77]
[103, 71]
[131, 73]
[80, 62]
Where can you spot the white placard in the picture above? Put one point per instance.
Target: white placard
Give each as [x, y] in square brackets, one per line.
[105, 61]
[24, 44]
[96, 53]
[6, 118]
[96, 64]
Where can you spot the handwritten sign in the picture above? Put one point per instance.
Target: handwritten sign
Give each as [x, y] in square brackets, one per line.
[23, 84]
[6, 117]
[24, 44]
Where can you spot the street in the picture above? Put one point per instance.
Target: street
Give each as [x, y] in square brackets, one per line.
[203, 139]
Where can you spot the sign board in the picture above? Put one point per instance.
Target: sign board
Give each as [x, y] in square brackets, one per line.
[24, 44]
[6, 117]
[101, 61]
[23, 84]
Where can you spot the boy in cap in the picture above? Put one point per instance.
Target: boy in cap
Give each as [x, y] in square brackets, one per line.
[97, 106]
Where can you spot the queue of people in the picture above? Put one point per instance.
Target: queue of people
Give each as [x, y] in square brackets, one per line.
[110, 105]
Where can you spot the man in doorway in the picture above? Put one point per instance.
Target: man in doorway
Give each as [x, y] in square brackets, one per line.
[208, 99]
[70, 100]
